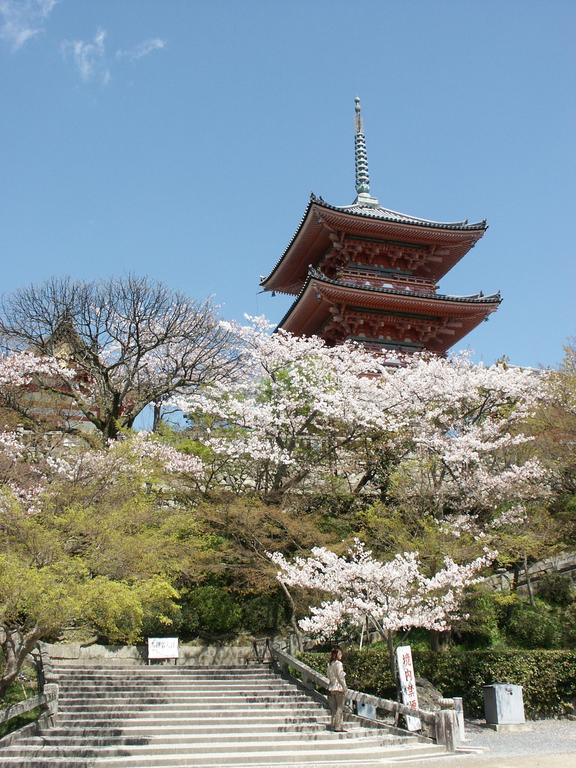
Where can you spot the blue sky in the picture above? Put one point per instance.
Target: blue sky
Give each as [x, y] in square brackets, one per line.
[181, 139]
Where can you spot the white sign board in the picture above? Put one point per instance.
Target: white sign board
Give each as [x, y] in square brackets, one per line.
[162, 648]
[408, 684]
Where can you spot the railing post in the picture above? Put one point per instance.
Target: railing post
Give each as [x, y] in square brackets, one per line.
[51, 692]
[439, 731]
[450, 729]
[459, 710]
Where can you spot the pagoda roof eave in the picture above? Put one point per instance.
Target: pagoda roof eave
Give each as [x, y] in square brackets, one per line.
[387, 214]
[265, 280]
[314, 276]
[376, 221]
[310, 309]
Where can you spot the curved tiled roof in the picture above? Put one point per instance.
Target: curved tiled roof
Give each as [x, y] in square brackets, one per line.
[386, 214]
[314, 274]
[476, 298]
[378, 213]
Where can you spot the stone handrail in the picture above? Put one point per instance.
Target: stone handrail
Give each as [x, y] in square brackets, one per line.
[48, 700]
[443, 723]
[44, 665]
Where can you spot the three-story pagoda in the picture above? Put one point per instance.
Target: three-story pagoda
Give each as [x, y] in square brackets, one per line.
[370, 274]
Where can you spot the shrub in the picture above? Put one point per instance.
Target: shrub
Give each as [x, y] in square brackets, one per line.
[210, 611]
[548, 677]
[480, 628]
[569, 622]
[556, 589]
[264, 613]
[113, 609]
[161, 611]
[534, 626]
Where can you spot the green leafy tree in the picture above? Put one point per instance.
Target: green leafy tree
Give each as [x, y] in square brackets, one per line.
[35, 603]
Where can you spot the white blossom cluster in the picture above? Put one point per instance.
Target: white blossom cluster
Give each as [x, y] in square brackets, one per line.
[390, 595]
[146, 447]
[299, 410]
[298, 414]
[28, 469]
[20, 369]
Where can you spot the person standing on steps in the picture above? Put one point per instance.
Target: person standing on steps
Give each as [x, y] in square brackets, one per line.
[336, 689]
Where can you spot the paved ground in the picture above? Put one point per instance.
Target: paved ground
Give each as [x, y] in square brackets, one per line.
[565, 760]
[548, 744]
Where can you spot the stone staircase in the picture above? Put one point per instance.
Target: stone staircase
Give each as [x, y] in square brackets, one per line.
[151, 717]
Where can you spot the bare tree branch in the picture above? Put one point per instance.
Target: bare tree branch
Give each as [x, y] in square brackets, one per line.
[131, 341]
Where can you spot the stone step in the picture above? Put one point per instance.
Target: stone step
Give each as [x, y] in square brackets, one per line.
[167, 669]
[216, 696]
[70, 738]
[186, 706]
[189, 675]
[177, 685]
[119, 692]
[216, 727]
[215, 683]
[90, 720]
[175, 676]
[169, 699]
[42, 762]
[212, 750]
[324, 742]
[344, 755]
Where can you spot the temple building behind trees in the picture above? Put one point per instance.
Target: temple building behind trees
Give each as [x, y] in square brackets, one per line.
[370, 274]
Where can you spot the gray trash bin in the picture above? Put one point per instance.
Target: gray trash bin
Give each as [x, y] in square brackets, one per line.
[503, 704]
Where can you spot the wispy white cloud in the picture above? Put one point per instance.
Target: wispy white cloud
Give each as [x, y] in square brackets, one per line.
[20, 20]
[89, 57]
[142, 49]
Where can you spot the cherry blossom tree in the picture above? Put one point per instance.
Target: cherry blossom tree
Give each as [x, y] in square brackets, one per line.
[443, 434]
[391, 596]
[468, 449]
[128, 342]
[30, 464]
[295, 408]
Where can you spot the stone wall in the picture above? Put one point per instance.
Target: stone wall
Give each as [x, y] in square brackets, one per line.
[564, 563]
[189, 655]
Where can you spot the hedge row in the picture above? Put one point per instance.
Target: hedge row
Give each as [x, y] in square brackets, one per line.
[548, 677]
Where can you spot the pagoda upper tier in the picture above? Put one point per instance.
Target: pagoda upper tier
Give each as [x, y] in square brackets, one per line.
[329, 236]
[369, 273]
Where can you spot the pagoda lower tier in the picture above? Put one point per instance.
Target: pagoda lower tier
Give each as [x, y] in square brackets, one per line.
[369, 273]
[403, 319]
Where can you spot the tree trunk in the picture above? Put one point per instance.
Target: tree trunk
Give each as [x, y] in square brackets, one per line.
[15, 647]
[394, 670]
[516, 576]
[157, 417]
[528, 581]
[438, 641]
[293, 621]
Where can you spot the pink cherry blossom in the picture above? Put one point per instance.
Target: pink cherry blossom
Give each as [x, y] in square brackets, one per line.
[300, 414]
[390, 595]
